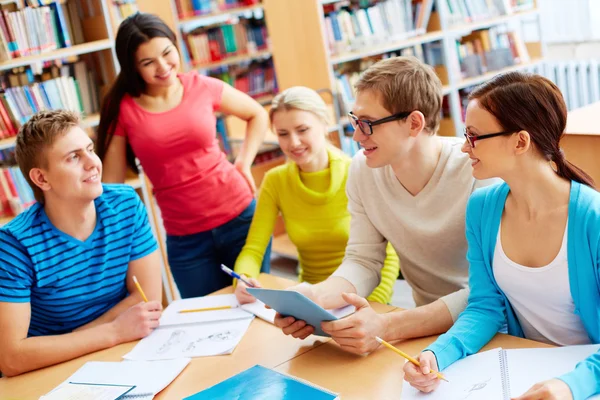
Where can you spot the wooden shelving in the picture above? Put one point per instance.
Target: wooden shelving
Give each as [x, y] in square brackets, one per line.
[487, 23]
[208, 17]
[66, 52]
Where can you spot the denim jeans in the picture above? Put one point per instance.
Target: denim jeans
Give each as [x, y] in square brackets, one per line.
[196, 259]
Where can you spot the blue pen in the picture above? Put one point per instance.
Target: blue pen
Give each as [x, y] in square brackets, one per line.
[233, 274]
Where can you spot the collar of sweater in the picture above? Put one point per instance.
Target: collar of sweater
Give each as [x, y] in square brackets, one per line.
[337, 178]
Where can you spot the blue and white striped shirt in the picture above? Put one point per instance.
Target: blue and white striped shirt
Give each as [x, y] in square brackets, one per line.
[69, 282]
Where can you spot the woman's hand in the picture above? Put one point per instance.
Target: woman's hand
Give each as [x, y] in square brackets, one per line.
[424, 377]
[553, 389]
[241, 294]
[247, 174]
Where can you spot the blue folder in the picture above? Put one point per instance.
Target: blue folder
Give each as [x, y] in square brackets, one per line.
[289, 302]
[260, 383]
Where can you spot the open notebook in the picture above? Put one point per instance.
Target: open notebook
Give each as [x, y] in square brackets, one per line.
[147, 377]
[502, 374]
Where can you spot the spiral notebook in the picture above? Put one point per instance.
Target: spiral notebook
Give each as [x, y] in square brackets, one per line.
[260, 383]
[503, 374]
[147, 377]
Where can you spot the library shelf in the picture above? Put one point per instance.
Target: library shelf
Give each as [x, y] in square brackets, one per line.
[230, 11]
[65, 52]
[466, 28]
[234, 60]
[387, 47]
[488, 75]
[87, 122]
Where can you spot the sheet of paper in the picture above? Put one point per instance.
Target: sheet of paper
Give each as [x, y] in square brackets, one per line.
[149, 377]
[474, 377]
[258, 308]
[70, 391]
[526, 367]
[171, 315]
[208, 339]
[343, 311]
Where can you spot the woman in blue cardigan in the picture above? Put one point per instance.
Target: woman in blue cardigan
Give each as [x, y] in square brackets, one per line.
[534, 241]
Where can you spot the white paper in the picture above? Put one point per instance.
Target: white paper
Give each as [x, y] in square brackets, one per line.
[208, 339]
[474, 377]
[343, 311]
[258, 308]
[67, 391]
[149, 377]
[171, 315]
[526, 367]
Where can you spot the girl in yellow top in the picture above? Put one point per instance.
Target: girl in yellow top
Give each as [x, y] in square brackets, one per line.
[309, 191]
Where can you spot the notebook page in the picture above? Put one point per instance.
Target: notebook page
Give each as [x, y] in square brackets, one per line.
[526, 367]
[474, 377]
[258, 308]
[147, 376]
[172, 317]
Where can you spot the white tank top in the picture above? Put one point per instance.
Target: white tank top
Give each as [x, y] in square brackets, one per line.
[541, 297]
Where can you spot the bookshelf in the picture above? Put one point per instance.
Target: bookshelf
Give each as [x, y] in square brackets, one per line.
[306, 56]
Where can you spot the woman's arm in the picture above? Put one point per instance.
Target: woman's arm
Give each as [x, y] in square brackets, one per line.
[389, 273]
[241, 105]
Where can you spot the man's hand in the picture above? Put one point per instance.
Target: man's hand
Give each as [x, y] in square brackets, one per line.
[553, 389]
[356, 333]
[424, 377]
[137, 322]
[290, 325]
[241, 294]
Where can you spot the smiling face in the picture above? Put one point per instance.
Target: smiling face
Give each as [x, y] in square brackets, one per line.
[389, 142]
[490, 157]
[301, 136]
[72, 171]
[157, 62]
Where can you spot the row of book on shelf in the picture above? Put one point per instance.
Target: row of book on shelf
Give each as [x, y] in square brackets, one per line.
[15, 193]
[349, 28]
[465, 11]
[190, 8]
[36, 30]
[256, 78]
[72, 86]
[244, 36]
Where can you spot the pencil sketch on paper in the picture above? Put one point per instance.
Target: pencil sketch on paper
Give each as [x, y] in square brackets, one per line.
[215, 337]
[475, 387]
[173, 340]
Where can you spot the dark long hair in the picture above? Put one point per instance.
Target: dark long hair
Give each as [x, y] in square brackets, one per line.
[522, 101]
[133, 32]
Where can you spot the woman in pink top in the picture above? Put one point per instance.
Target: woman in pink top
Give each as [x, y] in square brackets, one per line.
[167, 121]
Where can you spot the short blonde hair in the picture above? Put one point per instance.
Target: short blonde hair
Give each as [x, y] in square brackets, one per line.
[300, 98]
[36, 136]
[406, 84]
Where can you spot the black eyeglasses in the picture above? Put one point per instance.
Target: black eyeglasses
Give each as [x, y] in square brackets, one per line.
[472, 139]
[366, 126]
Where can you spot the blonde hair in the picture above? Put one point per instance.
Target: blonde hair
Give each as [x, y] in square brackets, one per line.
[36, 136]
[406, 84]
[300, 98]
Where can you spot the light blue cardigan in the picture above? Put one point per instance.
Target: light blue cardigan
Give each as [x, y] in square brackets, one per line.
[489, 309]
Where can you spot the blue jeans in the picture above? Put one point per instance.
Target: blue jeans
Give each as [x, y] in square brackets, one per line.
[196, 259]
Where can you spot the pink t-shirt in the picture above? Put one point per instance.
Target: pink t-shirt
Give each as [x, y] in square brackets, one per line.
[195, 186]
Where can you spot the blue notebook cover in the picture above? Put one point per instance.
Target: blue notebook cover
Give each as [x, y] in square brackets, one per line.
[260, 383]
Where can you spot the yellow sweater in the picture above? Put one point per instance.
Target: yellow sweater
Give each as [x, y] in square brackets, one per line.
[314, 208]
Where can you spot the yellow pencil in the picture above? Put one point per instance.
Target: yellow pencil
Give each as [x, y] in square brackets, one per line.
[409, 358]
[205, 309]
[139, 287]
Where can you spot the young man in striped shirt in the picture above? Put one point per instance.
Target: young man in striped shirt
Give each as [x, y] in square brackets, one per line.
[67, 263]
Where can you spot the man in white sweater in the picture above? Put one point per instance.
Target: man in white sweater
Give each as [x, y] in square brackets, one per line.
[409, 187]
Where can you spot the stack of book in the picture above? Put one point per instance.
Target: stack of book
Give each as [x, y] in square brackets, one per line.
[31, 31]
[348, 28]
[212, 44]
[190, 8]
[15, 193]
[70, 86]
[490, 50]
[256, 79]
[123, 9]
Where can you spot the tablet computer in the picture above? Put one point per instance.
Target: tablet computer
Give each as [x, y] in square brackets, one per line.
[297, 305]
